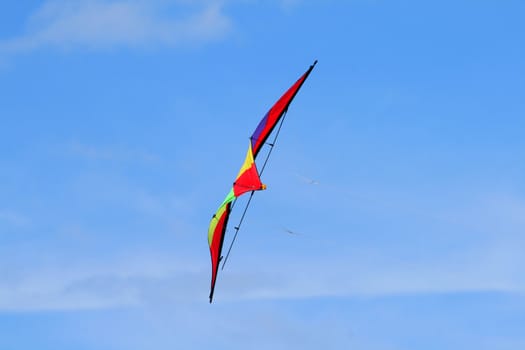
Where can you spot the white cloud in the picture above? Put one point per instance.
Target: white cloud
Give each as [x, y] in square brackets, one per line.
[111, 153]
[502, 214]
[289, 4]
[153, 279]
[13, 218]
[493, 265]
[131, 281]
[103, 24]
[362, 277]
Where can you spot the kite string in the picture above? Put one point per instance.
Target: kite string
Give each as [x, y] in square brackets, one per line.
[251, 194]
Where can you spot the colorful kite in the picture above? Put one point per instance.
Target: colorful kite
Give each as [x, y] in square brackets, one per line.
[248, 179]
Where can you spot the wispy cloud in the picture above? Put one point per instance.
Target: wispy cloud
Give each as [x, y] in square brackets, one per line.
[490, 270]
[493, 265]
[123, 282]
[105, 24]
[142, 280]
[289, 4]
[112, 153]
[13, 218]
[502, 214]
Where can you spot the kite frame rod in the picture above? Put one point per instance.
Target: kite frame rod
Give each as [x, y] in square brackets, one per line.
[237, 228]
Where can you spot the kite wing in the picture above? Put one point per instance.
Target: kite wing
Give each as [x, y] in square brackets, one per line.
[272, 117]
[216, 238]
[248, 179]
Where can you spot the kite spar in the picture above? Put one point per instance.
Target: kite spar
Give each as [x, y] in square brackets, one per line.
[248, 179]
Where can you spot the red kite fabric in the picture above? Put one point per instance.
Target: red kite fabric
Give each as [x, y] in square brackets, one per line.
[248, 179]
[216, 239]
[272, 117]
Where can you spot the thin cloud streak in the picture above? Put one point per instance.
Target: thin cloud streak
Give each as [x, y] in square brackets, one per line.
[101, 24]
[97, 153]
[123, 283]
[142, 280]
[395, 281]
[13, 218]
[493, 268]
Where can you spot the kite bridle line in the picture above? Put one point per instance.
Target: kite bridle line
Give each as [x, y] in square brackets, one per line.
[237, 228]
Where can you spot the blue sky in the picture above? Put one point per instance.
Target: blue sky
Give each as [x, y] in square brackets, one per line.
[125, 121]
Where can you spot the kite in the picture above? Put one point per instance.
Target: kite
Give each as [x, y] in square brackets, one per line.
[248, 179]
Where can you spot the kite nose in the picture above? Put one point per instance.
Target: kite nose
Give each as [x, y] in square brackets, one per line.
[263, 186]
